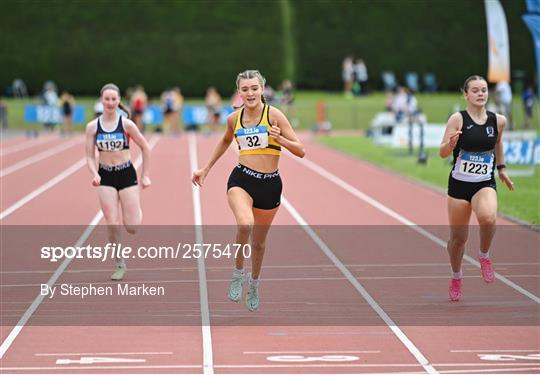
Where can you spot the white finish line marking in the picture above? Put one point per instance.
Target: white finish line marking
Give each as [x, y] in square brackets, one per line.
[324, 358]
[509, 357]
[320, 352]
[92, 360]
[97, 354]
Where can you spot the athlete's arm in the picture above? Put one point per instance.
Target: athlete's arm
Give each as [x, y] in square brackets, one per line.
[499, 153]
[138, 138]
[90, 147]
[222, 146]
[451, 135]
[284, 134]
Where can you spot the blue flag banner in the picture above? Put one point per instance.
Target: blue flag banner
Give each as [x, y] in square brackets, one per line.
[153, 115]
[532, 20]
[45, 114]
[533, 6]
[198, 115]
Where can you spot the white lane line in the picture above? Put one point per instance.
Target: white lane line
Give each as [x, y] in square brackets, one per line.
[520, 366]
[317, 267]
[495, 351]
[37, 301]
[70, 368]
[43, 188]
[422, 360]
[24, 146]
[388, 211]
[266, 279]
[504, 370]
[104, 353]
[56, 275]
[38, 157]
[208, 361]
[319, 352]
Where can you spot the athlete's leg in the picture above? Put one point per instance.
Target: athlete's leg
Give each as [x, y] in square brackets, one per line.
[263, 220]
[131, 208]
[484, 205]
[459, 214]
[108, 199]
[241, 205]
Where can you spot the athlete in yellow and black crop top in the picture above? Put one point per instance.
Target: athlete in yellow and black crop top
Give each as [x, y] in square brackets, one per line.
[254, 186]
[255, 140]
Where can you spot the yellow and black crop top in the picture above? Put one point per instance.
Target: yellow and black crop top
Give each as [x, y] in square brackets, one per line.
[256, 140]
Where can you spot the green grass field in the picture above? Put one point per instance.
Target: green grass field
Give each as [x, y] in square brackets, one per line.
[523, 203]
[353, 113]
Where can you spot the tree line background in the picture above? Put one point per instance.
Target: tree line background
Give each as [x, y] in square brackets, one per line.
[82, 44]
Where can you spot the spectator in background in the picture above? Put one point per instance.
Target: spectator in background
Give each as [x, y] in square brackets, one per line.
[503, 98]
[389, 101]
[269, 94]
[98, 108]
[3, 114]
[50, 99]
[236, 100]
[178, 104]
[68, 105]
[360, 77]
[347, 74]
[528, 105]
[138, 104]
[213, 105]
[167, 105]
[172, 101]
[400, 104]
[412, 104]
[287, 101]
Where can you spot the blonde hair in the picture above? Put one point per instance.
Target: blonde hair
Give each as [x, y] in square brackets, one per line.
[249, 74]
[112, 86]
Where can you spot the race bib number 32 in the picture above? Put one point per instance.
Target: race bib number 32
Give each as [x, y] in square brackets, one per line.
[252, 138]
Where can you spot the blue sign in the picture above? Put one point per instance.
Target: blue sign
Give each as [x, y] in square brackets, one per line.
[45, 114]
[198, 115]
[522, 151]
[153, 115]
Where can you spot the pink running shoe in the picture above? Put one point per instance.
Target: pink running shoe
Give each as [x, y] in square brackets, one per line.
[487, 270]
[455, 289]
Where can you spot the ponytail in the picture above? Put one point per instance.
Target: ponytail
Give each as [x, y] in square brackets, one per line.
[125, 109]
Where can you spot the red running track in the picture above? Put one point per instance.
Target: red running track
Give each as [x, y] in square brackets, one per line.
[362, 289]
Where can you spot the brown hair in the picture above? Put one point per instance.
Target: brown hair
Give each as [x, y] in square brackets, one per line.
[471, 78]
[112, 86]
[249, 74]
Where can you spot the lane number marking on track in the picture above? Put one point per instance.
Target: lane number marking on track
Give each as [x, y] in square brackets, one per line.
[94, 360]
[301, 358]
[509, 357]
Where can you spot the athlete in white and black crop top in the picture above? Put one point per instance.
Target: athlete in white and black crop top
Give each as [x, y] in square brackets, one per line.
[116, 140]
[116, 178]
